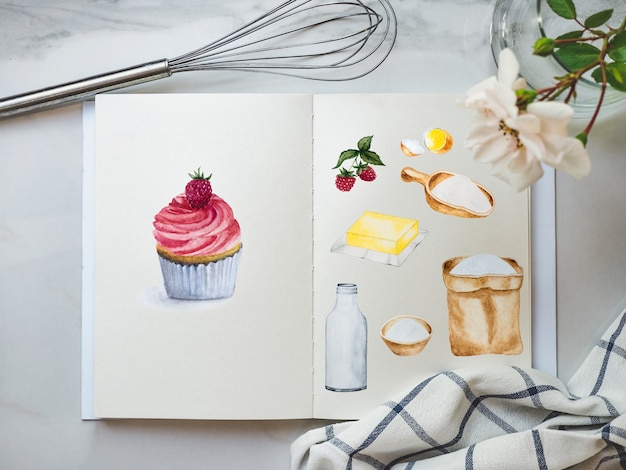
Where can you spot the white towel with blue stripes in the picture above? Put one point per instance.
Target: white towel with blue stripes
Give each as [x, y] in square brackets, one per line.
[495, 418]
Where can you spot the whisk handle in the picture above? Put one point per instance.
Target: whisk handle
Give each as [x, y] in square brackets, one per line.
[80, 89]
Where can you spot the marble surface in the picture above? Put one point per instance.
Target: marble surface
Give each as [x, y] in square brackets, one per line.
[443, 46]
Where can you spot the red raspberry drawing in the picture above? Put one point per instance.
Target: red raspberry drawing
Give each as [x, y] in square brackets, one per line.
[355, 162]
[345, 180]
[367, 174]
[198, 191]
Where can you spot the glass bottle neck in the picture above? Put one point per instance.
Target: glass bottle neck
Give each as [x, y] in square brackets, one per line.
[346, 295]
[346, 288]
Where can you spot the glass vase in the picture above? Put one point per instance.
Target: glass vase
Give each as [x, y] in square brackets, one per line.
[517, 24]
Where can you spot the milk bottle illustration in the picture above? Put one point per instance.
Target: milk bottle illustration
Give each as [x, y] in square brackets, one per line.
[346, 343]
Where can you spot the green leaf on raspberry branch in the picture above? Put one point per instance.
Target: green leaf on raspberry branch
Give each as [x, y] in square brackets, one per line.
[365, 143]
[598, 19]
[346, 155]
[346, 173]
[360, 167]
[371, 157]
[199, 175]
[577, 56]
[563, 8]
[617, 47]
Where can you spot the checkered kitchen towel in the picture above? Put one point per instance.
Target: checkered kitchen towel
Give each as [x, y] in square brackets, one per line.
[497, 418]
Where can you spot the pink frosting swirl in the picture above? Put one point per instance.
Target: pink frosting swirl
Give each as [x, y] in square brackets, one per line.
[185, 231]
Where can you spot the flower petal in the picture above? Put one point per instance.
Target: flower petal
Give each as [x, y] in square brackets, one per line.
[526, 124]
[479, 133]
[479, 88]
[555, 117]
[493, 151]
[522, 180]
[573, 158]
[519, 84]
[508, 67]
[534, 145]
[501, 101]
[488, 144]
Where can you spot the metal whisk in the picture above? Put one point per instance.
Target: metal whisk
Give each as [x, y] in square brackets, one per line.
[313, 39]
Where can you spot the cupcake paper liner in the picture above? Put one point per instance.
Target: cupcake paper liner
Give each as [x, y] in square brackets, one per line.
[215, 280]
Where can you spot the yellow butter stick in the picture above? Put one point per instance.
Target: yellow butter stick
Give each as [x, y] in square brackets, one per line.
[382, 232]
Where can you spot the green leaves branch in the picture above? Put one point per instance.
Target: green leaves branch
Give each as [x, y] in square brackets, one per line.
[593, 49]
[361, 157]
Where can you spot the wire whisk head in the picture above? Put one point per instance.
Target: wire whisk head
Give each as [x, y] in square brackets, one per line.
[313, 39]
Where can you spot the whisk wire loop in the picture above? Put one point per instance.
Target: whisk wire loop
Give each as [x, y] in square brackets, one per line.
[264, 21]
[294, 58]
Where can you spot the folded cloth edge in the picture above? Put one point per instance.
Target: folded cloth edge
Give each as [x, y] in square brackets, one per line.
[485, 417]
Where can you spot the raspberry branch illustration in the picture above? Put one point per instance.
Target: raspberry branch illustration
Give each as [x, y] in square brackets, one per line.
[356, 162]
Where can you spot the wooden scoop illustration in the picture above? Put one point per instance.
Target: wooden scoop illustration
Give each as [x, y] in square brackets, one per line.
[429, 182]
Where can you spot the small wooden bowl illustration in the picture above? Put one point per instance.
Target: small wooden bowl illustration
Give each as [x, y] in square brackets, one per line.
[411, 175]
[407, 343]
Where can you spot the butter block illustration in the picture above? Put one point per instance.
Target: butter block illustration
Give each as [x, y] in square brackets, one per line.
[381, 232]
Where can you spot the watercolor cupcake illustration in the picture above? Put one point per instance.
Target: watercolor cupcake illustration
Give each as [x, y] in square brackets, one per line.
[198, 241]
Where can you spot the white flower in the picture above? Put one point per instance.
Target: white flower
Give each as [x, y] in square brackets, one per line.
[560, 151]
[517, 142]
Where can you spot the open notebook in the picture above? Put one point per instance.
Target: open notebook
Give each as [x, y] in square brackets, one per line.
[260, 350]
